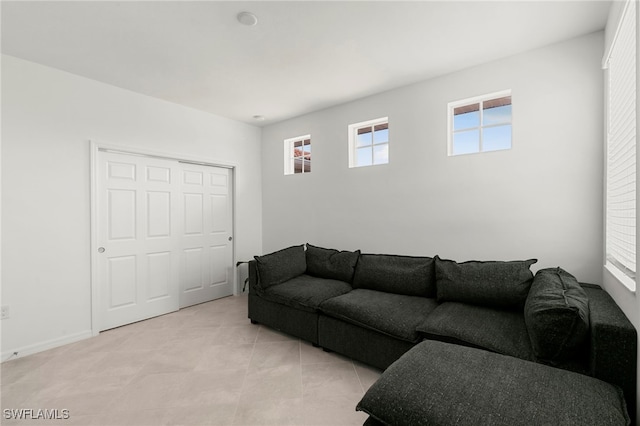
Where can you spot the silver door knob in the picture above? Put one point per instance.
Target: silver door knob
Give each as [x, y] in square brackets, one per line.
[100, 249]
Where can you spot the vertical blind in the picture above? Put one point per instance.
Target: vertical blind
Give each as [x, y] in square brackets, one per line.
[621, 147]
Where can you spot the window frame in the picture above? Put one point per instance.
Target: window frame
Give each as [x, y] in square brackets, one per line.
[452, 106]
[353, 141]
[620, 252]
[290, 157]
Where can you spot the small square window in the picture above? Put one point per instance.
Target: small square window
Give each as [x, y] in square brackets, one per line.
[297, 155]
[369, 143]
[480, 124]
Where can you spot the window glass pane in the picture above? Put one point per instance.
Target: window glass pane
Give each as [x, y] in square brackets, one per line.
[307, 166]
[306, 150]
[297, 165]
[364, 137]
[363, 156]
[497, 111]
[381, 154]
[297, 149]
[466, 117]
[496, 138]
[381, 135]
[466, 142]
[497, 102]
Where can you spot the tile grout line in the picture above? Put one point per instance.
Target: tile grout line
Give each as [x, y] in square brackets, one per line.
[301, 383]
[358, 376]
[246, 373]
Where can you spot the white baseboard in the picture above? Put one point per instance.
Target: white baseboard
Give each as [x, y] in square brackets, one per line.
[43, 346]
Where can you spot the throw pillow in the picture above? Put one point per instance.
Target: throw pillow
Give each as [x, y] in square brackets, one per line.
[408, 275]
[557, 315]
[281, 266]
[331, 264]
[496, 283]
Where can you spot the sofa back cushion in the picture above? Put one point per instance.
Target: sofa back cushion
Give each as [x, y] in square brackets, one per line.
[496, 284]
[408, 275]
[557, 315]
[280, 266]
[331, 264]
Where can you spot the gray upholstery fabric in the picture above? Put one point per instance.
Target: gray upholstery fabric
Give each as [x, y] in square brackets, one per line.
[305, 292]
[331, 264]
[557, 315]
[372, 421]
[281, 266]
[496, 284]
[294, 321]
[362, 344]
[501, 331]
[408, 275]
[613, 344]
[393, 314]
[437, 383]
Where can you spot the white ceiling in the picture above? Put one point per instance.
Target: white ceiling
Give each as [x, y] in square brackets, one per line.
[301, 57]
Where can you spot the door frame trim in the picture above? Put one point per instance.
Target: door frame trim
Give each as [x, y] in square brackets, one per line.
[96, 147]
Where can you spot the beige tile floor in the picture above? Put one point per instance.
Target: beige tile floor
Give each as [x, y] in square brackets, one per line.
[204, 365]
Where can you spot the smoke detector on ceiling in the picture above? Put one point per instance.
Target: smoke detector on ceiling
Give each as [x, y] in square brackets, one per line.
[247, 18]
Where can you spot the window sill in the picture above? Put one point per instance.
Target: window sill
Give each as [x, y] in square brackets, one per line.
[627, 282]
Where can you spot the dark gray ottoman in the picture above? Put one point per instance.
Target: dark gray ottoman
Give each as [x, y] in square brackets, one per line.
[438, 383]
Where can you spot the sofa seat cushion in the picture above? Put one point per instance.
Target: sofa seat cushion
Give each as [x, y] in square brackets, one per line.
[437, 383]
[395, 315]
[305, 292]
[501, 331]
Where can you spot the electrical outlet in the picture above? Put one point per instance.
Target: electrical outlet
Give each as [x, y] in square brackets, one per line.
[4, 312]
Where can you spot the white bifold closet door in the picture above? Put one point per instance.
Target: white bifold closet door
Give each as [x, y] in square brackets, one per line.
[164, 236]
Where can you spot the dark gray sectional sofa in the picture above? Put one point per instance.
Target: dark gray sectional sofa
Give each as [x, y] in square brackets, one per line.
[376, 307]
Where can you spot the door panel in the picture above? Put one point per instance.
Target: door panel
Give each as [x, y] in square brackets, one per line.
[208, 230]
[158, 214]
[123, 281]
[159, 273]
[122, 214]
[221, 181]
[158, 174]
[137, 227]
[219, 219]
[192, 177]
[125, 171]
[218, 265]
[193, 214]
[192, 277]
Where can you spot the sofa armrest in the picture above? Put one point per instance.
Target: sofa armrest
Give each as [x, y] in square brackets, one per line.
[254, 278]
[613, 345]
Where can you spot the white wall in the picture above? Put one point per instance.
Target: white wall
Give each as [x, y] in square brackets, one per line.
[541, 199]
[628, 301]
[48, 118]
